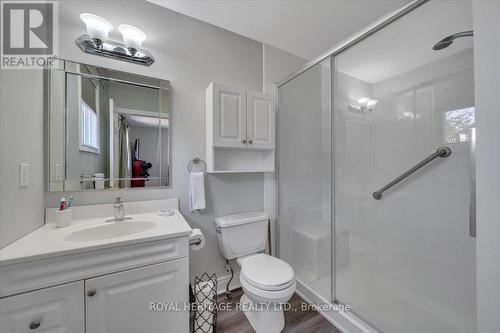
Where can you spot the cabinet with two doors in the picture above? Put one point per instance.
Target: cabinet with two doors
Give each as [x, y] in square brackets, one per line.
[240, 130]
[120, 302]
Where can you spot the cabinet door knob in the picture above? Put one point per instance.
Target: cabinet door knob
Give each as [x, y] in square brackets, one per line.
[250, 142]
[244, 141]
[91, 292]
[35, 324]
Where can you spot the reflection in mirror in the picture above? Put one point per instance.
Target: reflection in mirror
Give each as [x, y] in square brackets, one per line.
[107, 129]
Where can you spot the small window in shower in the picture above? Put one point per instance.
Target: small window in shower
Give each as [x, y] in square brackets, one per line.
[458, 125]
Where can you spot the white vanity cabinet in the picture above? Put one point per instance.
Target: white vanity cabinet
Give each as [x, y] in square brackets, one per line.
[113, 291]
[122, 302]
[240, 130]
[52, 310]
[105, 282]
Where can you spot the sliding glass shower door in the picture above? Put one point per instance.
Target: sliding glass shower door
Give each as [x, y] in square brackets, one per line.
[404, 256]
[304, 161]
[406, 262]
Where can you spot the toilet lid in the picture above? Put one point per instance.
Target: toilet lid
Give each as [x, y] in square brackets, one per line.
[267, 271]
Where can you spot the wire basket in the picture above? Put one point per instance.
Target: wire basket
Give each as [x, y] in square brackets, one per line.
[205, 310]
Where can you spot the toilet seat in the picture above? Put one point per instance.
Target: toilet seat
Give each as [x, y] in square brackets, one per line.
[265, 296]
[267, 273]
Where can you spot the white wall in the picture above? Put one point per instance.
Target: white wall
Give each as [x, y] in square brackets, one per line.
[487, 79]
[21, 120]
[187, 52]
[278, 64]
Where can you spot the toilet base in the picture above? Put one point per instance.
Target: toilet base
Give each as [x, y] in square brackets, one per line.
[264, 318]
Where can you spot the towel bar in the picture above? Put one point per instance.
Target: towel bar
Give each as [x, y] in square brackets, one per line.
[196, 160]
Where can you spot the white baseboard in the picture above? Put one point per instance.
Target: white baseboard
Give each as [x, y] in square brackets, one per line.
[222, 283]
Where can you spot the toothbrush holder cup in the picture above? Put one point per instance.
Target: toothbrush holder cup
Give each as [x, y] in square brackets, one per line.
[63, 218]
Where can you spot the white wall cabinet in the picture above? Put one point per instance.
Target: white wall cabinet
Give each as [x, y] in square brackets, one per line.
[260, 120]
[112, 303]
[240, 130]
[229, 116]
[58, 309]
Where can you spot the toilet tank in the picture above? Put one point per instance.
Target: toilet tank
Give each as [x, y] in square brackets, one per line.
[241, 234]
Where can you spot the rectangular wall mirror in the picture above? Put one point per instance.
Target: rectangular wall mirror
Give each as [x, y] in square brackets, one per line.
[106, 129]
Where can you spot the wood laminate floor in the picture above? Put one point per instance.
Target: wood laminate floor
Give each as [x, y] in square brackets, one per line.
[296, 320]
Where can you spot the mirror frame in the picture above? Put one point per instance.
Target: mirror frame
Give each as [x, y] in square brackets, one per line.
[56, 114]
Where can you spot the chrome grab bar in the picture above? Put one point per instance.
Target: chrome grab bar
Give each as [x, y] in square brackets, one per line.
[440, 152]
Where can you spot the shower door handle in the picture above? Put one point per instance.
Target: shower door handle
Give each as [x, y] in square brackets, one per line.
[472, 202]
[440, 152]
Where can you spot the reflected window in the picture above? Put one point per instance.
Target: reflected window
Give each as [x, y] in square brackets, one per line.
[88, 130]
[458, 125]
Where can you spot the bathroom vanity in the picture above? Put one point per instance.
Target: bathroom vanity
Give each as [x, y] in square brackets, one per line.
[99, 277]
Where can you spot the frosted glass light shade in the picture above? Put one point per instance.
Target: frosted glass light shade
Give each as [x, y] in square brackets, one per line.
[132, 36]
[97, 27]
[363, 101]
[370, 105]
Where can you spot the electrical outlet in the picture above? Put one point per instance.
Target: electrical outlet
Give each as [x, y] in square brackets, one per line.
[24, 174]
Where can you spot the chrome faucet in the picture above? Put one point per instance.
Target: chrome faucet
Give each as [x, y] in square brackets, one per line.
[119, 211]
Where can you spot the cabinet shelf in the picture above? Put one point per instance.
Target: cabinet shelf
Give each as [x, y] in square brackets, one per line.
[239, 171]
[226, 160]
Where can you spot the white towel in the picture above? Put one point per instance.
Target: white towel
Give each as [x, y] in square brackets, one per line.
[98, 181]
[196, 191]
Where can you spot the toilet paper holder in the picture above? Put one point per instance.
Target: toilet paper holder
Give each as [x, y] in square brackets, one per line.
[194, 242]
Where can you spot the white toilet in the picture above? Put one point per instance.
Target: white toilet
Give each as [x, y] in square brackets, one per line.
[267, 282]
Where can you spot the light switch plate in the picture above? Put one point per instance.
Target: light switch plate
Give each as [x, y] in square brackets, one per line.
[24, 174]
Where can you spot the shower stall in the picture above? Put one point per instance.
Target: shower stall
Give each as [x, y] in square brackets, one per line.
[376, 203]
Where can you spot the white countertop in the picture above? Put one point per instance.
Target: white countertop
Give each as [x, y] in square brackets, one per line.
[48, 241]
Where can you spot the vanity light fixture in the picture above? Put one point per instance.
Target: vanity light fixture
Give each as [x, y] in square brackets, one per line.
[132, 37]
[98, 28]
[364, 104]
[96, 41]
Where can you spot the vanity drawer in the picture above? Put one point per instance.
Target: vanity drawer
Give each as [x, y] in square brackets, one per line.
[53, 310]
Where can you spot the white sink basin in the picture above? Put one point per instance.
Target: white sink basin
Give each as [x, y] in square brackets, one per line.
[109, 230]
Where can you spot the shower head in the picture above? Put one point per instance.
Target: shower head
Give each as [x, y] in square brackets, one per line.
[447, 41]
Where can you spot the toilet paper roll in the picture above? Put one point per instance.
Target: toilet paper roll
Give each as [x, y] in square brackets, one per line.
[205, 294]
[197, 240]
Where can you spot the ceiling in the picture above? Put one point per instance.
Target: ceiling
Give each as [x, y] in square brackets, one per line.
[407, 43]
[306, 28]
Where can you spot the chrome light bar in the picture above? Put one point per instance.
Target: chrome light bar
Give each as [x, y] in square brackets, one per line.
[115, 50]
